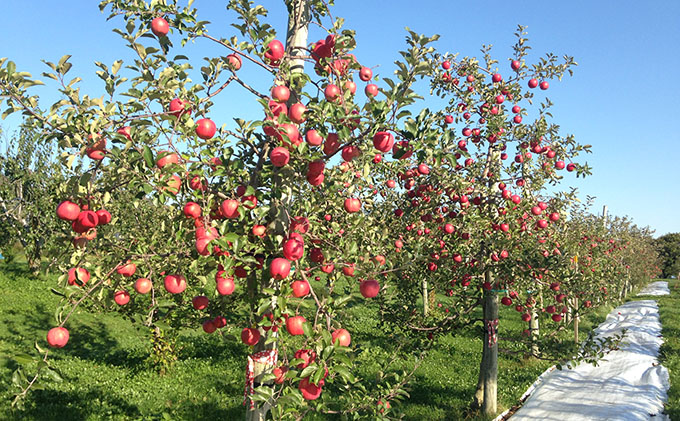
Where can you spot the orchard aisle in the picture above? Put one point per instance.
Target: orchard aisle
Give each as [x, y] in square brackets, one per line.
[630, 385]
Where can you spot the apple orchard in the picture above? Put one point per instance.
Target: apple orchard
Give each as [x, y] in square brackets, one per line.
[347, 191]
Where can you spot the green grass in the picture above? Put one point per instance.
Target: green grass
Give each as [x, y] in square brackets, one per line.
[106, 376]
[669, 354]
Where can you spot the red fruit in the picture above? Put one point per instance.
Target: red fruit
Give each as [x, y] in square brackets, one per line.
[299, 224]
[559, 165]
[127, 269]
[550, 309]
[297, 113]
[571, 167]
[350, 152]
[383, 141]
[175, 284]
[352, 205]
[121, 297]
[160, 27]
[167, 159]
[225, 286]
[279, 268]
[294, 325]
[250, 336]
[446, 65]
[300, 288]
[544, 85]
[526, 317]
[309, 390]
[555, 286]
[423, 169]
[192, 210]
[234, 61]
[68, 211]
[219, 321]
[274, 52]
[57, 337]
[369, 288]
[496, 78]
[342, 336]
[348, 270]
[143, 285]
[533, 83]
[259, 230]
[332, 144]
[200, 302]
[557, 317]
[307, 356]
[78, 276]
[279, 156]
[316, 255]
[554, 216]
[280, 93]
[205, 128]
[331, 92]
[350, 86]
[448, 119]
[365, 74]
[391, 184]
[506, 301]
[179, 107]
[515, 65]
[229, 208]
[293, 249]
[87, 219]
[371, 90]
[104, 217]
[209, 326]
[313, 138]
[280, 373]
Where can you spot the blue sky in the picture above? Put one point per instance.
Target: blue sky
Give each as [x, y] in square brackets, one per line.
[622, 98]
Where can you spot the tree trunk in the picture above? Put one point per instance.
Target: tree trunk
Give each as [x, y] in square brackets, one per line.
[490, 367]
[426, 300]
[534, 329]
[576, 317]
[296, 43]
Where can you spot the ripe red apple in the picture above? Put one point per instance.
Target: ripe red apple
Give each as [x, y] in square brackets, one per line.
[200, 302]
[300, 288]
[167, 159]
[234, 60]
[209, 326]
[143, 285]
[68, 211]
[294, 325]
[160, 27]
[506, 301]
[121, 297]
[313, 138]
[57, 337]
[279, 156]
[369, 288]
[515, 65]
[526, 317]
[293, 249]
[297, 113]
[309, 390]
[78, 276]
[557, 317]
[280, 373]
[225, 286]
[352, 205]
[250, 336]
[205, 128]
[229, 208]
[274, 52]
[280, 93]
[331, 92]
[192, 210]
[127, 270]
[307, 356]
[279, 268]
[259, 230]
[496, 78]
[371, 90]
[342, 336]
[179, 107]
[383, 141]
[175, 284]
[103, 217]
[299, 224]
[544, 85]
[87, 219]
[533, 83]
[365, 74]
[348, 270]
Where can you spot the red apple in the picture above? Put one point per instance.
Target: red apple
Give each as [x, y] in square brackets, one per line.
[225, 286]
[371, 90]
[279, 268]
[383, 141]
[300, 288]
[250, 336]
[280, 373]
[274, 52]
[205, 128]
[192, 210]
[297, 113]
[365, 74]
[127, 269]
[87, 219]
[179, 107]
[103, 216]
[57, 337]
[68, 211]
[313, 138]
[294, 325]
[175, 284]
[200, 302]
[280, 93]
[160, 27]
[143, 285]
[293, 249]
[234, 61]
[229, 208]
[209, 326]
[78, 276]
[121, 297]
[279, 156]
[331, 92]
[342, 337]
[309, 390]
[369, 288]
[352, 205]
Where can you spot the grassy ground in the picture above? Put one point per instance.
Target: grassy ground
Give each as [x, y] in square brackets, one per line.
[669, 311]
[106, 376]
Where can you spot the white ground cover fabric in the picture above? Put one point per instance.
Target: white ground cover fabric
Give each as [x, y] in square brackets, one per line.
[656, 288]
[629, 385]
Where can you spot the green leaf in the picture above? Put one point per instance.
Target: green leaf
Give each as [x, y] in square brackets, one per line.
[24, 359]
[148, 156]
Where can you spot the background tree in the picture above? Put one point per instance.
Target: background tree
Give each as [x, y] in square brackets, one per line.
[669, 252]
